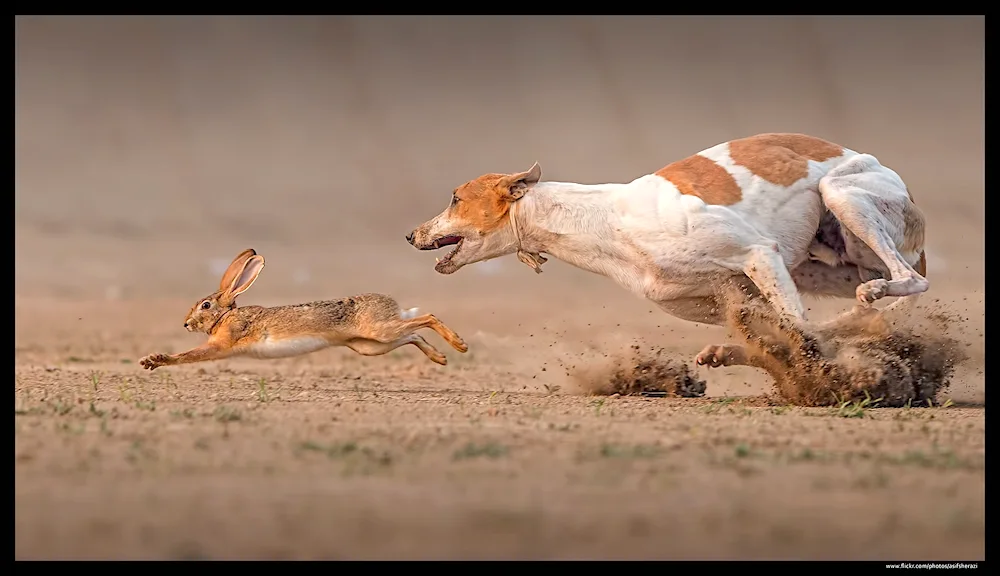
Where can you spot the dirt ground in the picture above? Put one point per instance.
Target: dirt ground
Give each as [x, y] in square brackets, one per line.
[141, 169]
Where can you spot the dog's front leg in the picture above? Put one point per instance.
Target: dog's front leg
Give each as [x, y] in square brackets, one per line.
[732, 294]
[706, 310]
[716, 355]
[766, 268]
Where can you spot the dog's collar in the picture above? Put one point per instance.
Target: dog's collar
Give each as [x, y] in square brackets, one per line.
[533, 260]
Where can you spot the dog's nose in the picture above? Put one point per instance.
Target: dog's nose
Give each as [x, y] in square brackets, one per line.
[185, 324]
[409, 238]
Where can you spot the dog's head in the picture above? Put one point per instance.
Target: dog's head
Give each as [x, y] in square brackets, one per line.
[476, 220]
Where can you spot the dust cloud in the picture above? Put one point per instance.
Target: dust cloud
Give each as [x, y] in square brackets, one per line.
[886, 357]
[639, 372]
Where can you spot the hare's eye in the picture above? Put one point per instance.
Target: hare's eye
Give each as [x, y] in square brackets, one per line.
[206, 305]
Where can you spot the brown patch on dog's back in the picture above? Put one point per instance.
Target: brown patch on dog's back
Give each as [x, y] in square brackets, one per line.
[781, 159]
[703, 177]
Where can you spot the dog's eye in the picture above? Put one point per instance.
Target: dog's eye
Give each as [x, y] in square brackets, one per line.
[454, 199]
[206, 305]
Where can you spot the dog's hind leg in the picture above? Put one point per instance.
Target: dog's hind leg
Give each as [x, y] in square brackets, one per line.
[872, 203]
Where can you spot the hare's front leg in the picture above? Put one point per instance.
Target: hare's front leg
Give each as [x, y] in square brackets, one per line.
[203, 353]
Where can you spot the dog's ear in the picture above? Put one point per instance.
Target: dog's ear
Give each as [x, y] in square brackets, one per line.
[519, 184]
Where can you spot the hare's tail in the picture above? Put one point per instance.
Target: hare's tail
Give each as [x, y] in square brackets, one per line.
[409, 313]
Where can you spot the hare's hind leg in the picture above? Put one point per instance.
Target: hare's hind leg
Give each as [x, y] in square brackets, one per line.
[367, 347]
[431, 321]
[407, 323]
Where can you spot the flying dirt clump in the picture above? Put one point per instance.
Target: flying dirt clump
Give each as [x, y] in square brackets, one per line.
[639, 373]
[866, 353]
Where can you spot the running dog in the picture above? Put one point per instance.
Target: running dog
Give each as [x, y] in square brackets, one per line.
[791, 212]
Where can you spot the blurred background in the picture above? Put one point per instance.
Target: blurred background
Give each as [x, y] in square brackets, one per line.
[149, 151]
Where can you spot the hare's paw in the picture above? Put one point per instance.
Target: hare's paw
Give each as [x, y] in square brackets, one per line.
[154, 361]
[438, 358]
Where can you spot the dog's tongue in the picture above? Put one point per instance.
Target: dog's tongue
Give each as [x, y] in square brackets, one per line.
[449, 240]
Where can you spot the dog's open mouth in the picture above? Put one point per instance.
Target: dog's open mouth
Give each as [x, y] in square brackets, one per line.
[455, 241]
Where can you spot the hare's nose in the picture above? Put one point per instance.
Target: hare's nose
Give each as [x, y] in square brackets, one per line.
[409, 237]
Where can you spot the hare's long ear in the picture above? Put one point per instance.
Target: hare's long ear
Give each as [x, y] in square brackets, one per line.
[251, 269]
[235, 268]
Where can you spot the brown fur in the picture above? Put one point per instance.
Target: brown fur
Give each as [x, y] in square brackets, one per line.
[367, 316]
[704, 178]
[235, 267]
[781, 159]
[482, 202]
[914, 228]
[369, 324]
[477, 208]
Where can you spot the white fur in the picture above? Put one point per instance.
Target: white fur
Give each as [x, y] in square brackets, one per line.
[286, 347]
[409, 313]
[673, 248]
[653, 240]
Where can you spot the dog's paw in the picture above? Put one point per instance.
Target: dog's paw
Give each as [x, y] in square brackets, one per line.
[716, 355]
[871, 291]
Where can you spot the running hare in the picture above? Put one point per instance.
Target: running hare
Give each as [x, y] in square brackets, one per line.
[369, 324]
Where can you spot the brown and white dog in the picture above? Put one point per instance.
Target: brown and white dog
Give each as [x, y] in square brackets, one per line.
[792, 212]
